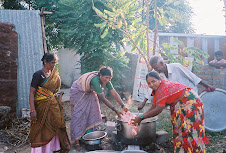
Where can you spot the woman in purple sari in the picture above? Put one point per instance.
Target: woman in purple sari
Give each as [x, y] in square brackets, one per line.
[84, 98]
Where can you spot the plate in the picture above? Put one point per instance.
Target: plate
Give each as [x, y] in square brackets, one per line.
[214, 110]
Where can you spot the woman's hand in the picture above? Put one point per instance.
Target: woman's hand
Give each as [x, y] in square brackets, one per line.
[118, 113]
[136, 121]
[211, 88]
[141, 106]
[125, 109]
[33, 116]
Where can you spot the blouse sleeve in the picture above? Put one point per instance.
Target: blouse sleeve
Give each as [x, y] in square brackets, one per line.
[109, 85]
[95, 82]
[36, 80]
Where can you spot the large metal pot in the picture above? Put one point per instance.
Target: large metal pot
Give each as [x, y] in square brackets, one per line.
[145, 135]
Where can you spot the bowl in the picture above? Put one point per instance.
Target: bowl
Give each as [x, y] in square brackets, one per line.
[94, 138]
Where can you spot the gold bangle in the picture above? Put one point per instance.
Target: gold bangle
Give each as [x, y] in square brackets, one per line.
[32, 110]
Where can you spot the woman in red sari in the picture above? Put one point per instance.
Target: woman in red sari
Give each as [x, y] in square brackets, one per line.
[187, 114]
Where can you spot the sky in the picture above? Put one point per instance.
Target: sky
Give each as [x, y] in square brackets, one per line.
[209, 16]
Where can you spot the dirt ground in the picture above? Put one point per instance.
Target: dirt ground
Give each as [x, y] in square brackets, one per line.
[217, 140]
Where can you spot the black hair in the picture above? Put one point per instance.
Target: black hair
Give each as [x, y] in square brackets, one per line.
[219, 53]
[48, 57]
[105, 71]
[153, 74]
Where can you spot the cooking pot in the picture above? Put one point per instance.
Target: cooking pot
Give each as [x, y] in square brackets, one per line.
[134, 151]
[94, 138]
[145, 135]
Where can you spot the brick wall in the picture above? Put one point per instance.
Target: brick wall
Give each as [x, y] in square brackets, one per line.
[8, 66]
[212, 76]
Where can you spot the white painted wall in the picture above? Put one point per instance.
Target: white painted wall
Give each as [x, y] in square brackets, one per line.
[69, 66]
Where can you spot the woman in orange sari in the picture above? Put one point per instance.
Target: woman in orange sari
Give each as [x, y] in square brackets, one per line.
[48, 130]
[187, 114]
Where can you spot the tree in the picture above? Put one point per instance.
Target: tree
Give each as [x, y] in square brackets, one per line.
[12, 4]
[53, 39]
[75, 19]
[72, 25]
[177, 16]
[127, 16]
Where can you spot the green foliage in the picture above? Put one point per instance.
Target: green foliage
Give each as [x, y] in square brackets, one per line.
[12, 5]
[178, 58]
[127, 16]
[71, 25]
[173, 16]
[54, 39]
[78, 23]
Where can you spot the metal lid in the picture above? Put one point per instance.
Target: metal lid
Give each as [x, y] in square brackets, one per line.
[214, 110]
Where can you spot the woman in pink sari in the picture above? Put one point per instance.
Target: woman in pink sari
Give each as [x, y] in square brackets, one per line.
[84, 98]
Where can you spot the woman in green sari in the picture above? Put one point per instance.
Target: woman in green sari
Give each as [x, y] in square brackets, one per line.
[48, 129]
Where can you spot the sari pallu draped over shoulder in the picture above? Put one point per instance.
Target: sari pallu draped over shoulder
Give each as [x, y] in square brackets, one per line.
[168, 88]
[50, 118]
[84, 80]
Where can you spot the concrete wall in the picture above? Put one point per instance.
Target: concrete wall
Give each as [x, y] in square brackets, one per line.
[212, 76]
[69, 66]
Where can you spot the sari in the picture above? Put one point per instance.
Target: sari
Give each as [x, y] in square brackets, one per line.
[50, 122]
[85, 108]
[187, 116]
